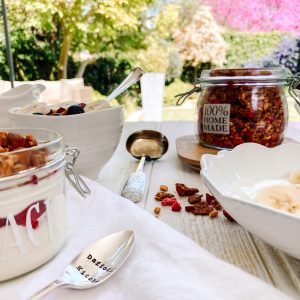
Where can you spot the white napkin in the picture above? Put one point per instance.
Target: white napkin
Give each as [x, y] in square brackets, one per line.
[163, 265]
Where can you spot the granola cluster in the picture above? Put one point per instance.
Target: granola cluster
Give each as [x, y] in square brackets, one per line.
[236, 111]
[13, 162]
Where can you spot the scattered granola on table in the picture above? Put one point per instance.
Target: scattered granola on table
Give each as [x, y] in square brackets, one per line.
[213, 213]
[162, 195]
[157, 210]
[183, 190]
[199, 205]
[194, 199]
[163, 188]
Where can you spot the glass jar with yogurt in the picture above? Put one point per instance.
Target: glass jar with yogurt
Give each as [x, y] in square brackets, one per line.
[33, 221]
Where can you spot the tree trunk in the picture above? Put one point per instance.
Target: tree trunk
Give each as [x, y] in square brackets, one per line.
[63, 56]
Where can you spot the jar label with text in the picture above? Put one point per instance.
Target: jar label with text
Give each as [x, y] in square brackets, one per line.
[216, 118]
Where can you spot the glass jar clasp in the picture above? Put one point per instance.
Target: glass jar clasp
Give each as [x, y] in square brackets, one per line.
[74, 178]
[183, 96]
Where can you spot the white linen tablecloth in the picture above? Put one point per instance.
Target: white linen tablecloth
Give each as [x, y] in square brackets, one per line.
[163, 265]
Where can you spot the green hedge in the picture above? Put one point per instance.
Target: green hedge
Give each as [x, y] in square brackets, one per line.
[245, 46]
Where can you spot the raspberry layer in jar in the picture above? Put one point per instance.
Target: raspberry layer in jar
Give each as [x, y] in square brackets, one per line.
[33, 222]
[241, 105]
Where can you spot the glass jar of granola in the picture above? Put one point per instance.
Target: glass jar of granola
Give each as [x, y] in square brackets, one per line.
[33, 223]
[241, 105]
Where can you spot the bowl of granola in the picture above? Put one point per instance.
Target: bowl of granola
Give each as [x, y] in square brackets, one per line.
[262, 196]
[33, 224]
[94, 128]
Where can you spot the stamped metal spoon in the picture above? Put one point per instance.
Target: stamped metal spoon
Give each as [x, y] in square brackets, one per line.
[95, 264]
[145, 145]
[132, 78]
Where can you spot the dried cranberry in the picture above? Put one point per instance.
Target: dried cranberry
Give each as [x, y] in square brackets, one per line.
[34, 179]
[228, 216]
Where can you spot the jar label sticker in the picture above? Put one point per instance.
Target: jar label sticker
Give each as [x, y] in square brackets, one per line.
[216, 118]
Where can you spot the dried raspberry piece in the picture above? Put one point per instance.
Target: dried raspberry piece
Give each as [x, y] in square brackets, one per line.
[168, 201]
[228, 216]
[34, 179]
[194, 199]
[183, 190]
[176, 206]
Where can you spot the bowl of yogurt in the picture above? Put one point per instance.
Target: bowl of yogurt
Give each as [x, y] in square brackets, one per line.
[33, 221]
[260, 189]
[94, 128]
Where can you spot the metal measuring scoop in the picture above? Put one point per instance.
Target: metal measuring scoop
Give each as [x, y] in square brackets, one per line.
[95, 264]
[145, 145]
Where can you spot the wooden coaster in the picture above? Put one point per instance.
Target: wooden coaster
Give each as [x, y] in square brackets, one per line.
[190, 151]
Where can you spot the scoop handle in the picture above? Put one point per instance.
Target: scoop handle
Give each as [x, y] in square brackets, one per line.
[46, 290]
[140, 166]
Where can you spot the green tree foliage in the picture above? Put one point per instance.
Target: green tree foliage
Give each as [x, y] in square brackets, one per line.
[94, 25]
[160, 53]
[106, 73]
[245, 46]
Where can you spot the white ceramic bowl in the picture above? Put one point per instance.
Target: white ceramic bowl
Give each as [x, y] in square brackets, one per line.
[18, 96]
[95, 133]
[234, 178]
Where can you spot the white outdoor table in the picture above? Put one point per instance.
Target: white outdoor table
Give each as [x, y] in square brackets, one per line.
[226, 240]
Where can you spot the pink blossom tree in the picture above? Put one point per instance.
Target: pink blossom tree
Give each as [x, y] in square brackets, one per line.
[258, 15]
[201, 40]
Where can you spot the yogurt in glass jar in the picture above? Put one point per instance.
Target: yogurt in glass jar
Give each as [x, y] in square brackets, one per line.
[33, 221]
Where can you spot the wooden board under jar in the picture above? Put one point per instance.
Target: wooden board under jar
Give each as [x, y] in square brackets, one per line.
[190, 151]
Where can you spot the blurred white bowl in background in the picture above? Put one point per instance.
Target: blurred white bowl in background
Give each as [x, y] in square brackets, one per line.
[235, 177]
[96, 134]
[18, 96]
